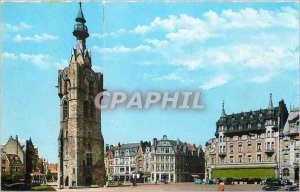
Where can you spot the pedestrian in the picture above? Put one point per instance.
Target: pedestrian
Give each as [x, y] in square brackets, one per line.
[221, 186]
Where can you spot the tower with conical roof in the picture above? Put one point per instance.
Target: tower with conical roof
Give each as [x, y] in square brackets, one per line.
[80, 141]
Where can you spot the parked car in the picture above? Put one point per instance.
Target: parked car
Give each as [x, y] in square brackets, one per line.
[228, 181]
[273, 185]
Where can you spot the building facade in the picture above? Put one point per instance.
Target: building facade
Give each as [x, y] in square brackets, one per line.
[247, 143]
[210, 157]
[289, 160]
[194, 162]
[125, 163]
[80, 141]
[13, 146]
[12, 164]
[168, 162]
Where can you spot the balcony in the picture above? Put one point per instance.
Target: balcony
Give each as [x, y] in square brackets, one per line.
[269, 151]
[80, 27]
[222, 154]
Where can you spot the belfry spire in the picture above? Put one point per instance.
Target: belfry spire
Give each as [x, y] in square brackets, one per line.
[80, 30]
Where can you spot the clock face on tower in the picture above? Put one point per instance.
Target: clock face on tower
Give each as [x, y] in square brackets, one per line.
[90, 74]
[65, 74]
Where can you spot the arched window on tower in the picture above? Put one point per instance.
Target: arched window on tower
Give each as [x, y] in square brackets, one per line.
[92, 110]
[65, 109]
[86, 108]
[91, 88]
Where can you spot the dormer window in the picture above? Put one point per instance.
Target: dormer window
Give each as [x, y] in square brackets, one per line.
[240, 126]
[249, 125]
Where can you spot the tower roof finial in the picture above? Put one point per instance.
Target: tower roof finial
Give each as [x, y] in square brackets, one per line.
[270, 102]
[223, 114]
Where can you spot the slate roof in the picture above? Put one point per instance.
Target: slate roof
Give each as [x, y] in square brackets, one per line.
[233, 122]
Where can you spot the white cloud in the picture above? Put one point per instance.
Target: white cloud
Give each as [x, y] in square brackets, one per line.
[9, 56]
[215, 82]
[35, 38]
[247, 42]
[122, 49]
[157, 43]
[40, 60]
[262, 78]
[16, 28]
[170, 77]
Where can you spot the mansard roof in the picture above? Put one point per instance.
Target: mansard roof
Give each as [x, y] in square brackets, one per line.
[239, 122]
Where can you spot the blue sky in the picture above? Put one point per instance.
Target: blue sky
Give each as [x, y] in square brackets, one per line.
[237, 52]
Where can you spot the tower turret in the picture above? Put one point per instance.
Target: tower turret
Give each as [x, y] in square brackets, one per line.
[270, 102]
[223, 114]
[80, 30]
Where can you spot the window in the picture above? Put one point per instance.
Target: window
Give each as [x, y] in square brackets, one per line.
[231, 148]
[258, 158]
[89, 159]
[249, 125]
[167, 150]
[259, 125]
[85, 108]
[91, 88]
[240, 126]
[3, 161]
[249, 158]
[92, 110]
[240, 138]
[231, 159]
[231, 139]
[258, 136]
[240, 148]
[171, 159]
[65, 109]
[273, 134]
[272, 146]
[249, 147]
[268, 134]
[286, 172]
[162, 150]
[240, 158]
[285, 157]
[258, 146]
[3, 169]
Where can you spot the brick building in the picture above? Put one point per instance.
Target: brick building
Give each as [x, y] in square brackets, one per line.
[247, 143]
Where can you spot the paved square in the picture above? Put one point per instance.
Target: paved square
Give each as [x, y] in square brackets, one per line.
[173, 187]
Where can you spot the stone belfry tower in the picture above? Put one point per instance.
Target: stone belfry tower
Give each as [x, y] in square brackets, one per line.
[80, 141]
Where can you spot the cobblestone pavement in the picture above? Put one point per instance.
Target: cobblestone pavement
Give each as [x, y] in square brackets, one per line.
[173, 187]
